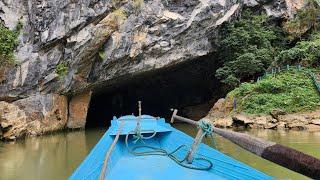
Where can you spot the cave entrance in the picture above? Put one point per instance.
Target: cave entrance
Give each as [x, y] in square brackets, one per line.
[190, 87]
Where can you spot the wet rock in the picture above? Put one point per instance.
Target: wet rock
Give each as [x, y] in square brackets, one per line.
[276, 113]
[44, 112]
[270, 126]
[293, 118]
[277, 119]
[294, 121]
[315, 121]
[313, 127]
[223, 122]
[78, 108]
[221, 108]
[296, 125]
[260, 121]
[272, 120]
[281, 125]
[13, 121]
[266, 122]
[242, 119]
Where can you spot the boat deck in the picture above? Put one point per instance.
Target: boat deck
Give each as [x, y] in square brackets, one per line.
[155, 168]
[123, 165]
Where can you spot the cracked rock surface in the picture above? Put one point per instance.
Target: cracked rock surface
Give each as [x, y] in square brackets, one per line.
[101, 42]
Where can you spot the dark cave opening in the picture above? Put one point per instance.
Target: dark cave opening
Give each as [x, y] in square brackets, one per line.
[189, 84]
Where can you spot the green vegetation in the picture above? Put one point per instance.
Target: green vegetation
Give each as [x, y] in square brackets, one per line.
[290, 91]
[8, 42]
[251, 44]
[247, 48]
[102, 54]
[62, 69]
[305, 52]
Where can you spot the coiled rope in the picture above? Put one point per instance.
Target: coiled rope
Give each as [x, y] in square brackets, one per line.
[137, 135]
[206, 127]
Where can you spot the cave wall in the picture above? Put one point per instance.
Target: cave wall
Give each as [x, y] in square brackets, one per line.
[187, 84]
[102, 45]
[98, 42]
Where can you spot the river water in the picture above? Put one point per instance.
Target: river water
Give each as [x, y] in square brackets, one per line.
[55, 156]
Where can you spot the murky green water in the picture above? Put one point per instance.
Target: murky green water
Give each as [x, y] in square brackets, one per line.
[56, 156]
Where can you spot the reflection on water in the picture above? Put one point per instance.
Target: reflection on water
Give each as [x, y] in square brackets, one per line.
[48, 157]
[56, 156]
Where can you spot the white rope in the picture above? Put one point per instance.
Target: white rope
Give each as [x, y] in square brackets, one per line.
[105, 164]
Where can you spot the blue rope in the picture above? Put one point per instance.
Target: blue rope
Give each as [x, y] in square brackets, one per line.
[207, 128]
[138, 136]
[171, 155]
[204, 125]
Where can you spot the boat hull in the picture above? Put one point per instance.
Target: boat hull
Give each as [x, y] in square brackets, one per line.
[123, 165]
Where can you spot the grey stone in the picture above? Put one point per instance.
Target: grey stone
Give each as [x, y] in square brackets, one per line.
[73, 33]
[164, 44]
[242, 119]
[315, 121]
[276, 113]
[44, 112]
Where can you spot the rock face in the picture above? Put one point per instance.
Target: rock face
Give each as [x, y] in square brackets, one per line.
[316, 122]
[13, 121]
[242, 119]
[78, 108]
[222, 108]
[223, 116]
[130, 37]
[70, 47]
[130, 40]
[34, 115]
[223, 122]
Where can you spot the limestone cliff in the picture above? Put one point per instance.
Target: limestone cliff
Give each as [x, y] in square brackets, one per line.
[69, 47]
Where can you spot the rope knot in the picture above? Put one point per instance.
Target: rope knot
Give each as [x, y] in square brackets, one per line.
[137, 136]
[206, 127]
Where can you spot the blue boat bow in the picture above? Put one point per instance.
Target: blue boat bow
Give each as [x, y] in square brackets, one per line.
[124, 164]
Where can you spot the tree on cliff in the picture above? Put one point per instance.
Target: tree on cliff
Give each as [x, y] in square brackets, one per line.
[246, 48]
